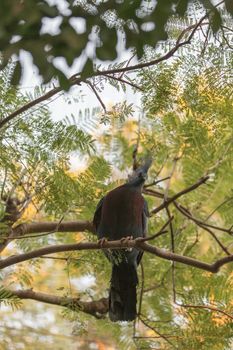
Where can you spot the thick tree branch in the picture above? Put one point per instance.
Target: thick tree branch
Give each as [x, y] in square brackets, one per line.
[46, 96]
[162, 253]
[49, 227]
[95, 308]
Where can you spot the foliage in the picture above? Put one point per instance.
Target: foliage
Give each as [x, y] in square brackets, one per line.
[187, 125]
[77, 24]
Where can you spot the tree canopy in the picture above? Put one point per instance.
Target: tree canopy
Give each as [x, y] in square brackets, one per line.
[185, 298]
[91, 30]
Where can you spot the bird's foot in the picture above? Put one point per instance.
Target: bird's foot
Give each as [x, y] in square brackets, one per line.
[140, 239]
[126, 239]
[102, 241]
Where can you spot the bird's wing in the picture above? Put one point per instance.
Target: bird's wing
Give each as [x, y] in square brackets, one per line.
[97, 215]
[145, 215]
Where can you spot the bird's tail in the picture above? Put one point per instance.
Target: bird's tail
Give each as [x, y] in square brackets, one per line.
[122, 296]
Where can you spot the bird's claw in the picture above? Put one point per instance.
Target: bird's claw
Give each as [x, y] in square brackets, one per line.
[102, 241]
[126, 239]
[140, 239]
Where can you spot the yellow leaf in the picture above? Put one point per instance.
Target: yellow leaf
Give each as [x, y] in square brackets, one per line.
[79, 237]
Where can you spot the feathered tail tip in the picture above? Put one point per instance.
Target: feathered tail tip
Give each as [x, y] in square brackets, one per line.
[123, 293]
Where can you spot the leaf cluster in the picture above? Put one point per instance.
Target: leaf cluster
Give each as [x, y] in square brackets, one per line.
[79, 23]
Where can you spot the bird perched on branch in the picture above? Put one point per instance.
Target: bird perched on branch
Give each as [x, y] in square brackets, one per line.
[121, 215]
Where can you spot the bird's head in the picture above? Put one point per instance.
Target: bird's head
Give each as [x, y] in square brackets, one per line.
[139, 175]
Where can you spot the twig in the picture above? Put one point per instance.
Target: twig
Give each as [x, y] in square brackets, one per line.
[195, 306]
[156, 331]
[199, 222]
[161, 282]
[218, 207]
[179, 194]
[211, 308]
[226, 40]
[215, 238]
[32, 104]
[185, 212]
[206, 40]
[123, 81]
[156, 182]
[230, 29]
[97, 95]
[161, 232]
[161, 167]
[127, 64]
[172, 248]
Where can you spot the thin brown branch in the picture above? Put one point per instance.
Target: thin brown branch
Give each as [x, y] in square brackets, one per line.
[206, 307]
[200, 222]
[218, 207]
[162, 253]
[228, 28]
[127, 64]
[206, 40]
[161, 232]
[123, 81]
[156, 182]
[95, 308]
[97, 95]
[29, 105]
[164, 337]
[215, 238]
[185, 212]
[193, 28]
[179, 194]
[226, 39]
[158, 194]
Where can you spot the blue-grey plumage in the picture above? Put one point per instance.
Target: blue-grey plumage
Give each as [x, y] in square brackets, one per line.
[121, 213]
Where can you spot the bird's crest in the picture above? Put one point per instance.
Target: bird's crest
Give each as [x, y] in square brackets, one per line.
[139, 175]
